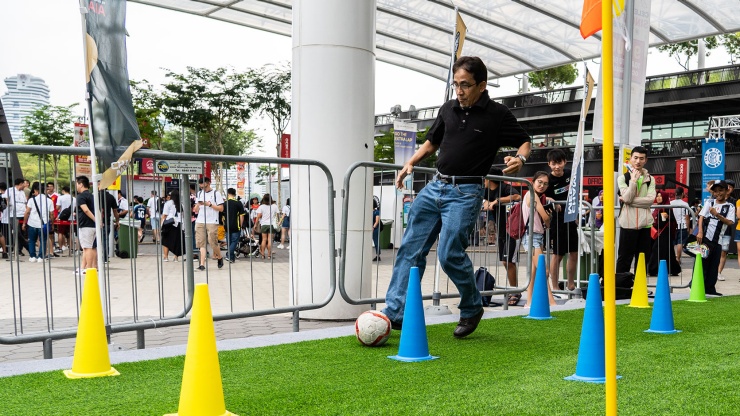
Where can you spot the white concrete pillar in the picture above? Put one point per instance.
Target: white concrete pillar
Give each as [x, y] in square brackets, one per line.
[332, 121]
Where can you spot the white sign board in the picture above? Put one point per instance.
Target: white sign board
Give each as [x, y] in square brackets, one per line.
[178, 166]
[4, 160]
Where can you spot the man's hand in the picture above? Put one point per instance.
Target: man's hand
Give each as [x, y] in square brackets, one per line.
[713, 211]
[699, 236]
[407, 170]
[513, 164]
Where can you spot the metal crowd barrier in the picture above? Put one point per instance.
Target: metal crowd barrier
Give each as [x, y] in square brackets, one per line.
[39, 301]
[432, 289]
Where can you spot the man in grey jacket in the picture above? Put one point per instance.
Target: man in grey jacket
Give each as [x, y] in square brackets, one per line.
[636, 195]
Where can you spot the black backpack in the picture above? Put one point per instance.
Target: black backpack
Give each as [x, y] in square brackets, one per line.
[65, 213]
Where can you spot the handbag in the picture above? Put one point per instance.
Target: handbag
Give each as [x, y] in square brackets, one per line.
[168, 222]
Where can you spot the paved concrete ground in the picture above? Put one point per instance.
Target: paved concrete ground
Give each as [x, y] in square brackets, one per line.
[46, 295]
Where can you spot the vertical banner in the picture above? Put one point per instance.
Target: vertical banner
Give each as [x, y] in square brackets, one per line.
[458, 38]
[573, 202]
[404, 141]
[115, 130]
[639, 42]
[147, 166]
[240, 177]
[712, 163]
[82, 139]
[682, 175]
[285, 148]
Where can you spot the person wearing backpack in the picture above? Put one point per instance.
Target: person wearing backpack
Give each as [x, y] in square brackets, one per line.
[636, 195]
[468, 132]
[543, 211]
[495, 201]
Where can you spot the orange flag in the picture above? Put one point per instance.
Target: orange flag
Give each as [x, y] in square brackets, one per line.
[590, 18]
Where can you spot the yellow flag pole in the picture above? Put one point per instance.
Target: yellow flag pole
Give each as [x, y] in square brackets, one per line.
[610, 315]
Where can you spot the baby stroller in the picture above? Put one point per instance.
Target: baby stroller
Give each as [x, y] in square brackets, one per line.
[247, 246]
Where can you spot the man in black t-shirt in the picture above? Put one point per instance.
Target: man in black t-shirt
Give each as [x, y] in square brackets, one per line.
[563, 236]
[86, 223]
[234, 212]
[497, 197]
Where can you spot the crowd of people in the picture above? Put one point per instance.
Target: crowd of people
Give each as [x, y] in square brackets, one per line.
[42, 224]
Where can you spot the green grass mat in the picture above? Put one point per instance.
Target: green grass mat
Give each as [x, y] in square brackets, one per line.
[508, 366]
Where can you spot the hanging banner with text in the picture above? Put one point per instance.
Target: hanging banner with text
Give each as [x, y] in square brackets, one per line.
[682, 175]
[712, 163]
[404, 141]
[573, 201]
[285, 148]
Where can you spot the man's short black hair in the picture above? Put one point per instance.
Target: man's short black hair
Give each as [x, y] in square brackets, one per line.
[474, 65]
[231, 191]
[192, 186]
[495, 171]
[82, 180]
[18, 181]
[3, 186]
[36, 187]
[679, 191]
[65, 188]
[204, 179]
[641, 150]
[556, 155]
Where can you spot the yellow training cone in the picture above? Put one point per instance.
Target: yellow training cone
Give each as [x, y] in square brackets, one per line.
[639, 288]
[698, 293]
[201, 393]
[91, 357]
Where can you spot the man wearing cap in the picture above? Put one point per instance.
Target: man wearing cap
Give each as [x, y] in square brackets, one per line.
[716, 216]
[727, 236]
[468, 132]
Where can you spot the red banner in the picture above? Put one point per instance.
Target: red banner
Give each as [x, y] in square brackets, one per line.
[147, 166]
[682, 174]
[285, 148]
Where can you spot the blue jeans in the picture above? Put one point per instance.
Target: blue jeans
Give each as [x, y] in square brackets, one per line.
[450, 212]
[34, 234]
[376, 240]
[232, 238]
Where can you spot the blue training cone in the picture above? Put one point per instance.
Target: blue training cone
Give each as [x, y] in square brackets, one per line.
[414, 345]
[540, 308]
[662, 320]
[591, 366]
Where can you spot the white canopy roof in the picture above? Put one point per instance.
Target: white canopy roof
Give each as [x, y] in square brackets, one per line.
[511, 36]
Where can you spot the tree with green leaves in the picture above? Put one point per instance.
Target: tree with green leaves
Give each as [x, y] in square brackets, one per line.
[148, 109]
[272, 98]
[683, 51]
[50, 125]
[731, 43]
[265, 173]
[549, 79]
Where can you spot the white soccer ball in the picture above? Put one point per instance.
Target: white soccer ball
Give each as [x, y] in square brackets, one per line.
[372, 328]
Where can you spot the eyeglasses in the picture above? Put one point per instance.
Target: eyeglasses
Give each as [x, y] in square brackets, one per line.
[463, 85]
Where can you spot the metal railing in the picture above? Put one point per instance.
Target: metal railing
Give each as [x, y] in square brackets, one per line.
[39, 302]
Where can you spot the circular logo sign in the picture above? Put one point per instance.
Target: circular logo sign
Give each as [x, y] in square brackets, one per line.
[150, 165]
[163, 166]
[713, 157]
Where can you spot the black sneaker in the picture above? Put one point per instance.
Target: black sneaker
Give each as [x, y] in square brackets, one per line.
[5, 255]
[466, 326]
[396, 326]
[201, 267]
[221, 262]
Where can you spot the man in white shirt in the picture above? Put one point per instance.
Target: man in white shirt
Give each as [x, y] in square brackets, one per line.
[683, 219]
[16, 209]
[3, 218]
[122, 203]
[208, 206]
[63, 202]
[38, 214]
[154, 214]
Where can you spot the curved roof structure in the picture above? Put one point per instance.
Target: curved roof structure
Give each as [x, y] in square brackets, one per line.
[511, 36]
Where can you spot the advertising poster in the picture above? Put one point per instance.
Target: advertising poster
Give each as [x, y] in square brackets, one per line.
[712, 163]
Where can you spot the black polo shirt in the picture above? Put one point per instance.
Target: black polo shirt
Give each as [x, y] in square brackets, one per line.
[470, 138]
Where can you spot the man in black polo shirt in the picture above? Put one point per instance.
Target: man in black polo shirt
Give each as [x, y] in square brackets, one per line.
[716, 216]
[563, 236]
[468, 132]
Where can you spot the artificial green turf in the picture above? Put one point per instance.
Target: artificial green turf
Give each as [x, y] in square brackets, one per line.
[508, 366]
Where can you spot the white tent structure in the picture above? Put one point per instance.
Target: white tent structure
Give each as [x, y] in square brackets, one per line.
[511, 36]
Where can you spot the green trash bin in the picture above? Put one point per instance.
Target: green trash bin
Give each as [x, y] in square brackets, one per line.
[128, 238]
[385, 235]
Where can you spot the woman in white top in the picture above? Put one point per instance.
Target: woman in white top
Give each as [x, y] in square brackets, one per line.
[267, 221]
[537, 228]
[171, 230]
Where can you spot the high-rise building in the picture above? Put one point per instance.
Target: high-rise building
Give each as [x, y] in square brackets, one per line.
[25, 93]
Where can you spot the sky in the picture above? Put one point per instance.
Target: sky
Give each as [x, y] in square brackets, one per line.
[44, 38]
